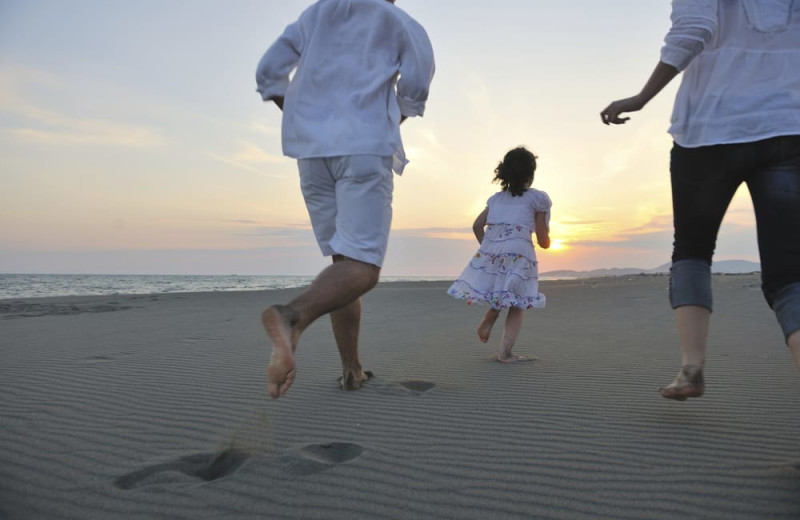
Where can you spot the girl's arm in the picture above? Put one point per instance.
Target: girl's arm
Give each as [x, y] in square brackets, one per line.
[542, 231]
[479, 224]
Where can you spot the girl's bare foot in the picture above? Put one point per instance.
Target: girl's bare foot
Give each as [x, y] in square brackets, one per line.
[486, 324]
[688, 383]
[279, 321]
[513, 358]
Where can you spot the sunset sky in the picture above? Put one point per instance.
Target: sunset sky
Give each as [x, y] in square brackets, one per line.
[132, 139]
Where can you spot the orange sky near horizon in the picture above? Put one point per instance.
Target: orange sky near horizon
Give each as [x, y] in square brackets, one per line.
[123, 154]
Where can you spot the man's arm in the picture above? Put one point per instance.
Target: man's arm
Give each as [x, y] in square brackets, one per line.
[416, 71]
[272, 73]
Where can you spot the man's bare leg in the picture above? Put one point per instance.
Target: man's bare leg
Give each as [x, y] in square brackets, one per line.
[346, 323]
[486, 324]
[335, 287]
[794, 347]
[693, 322]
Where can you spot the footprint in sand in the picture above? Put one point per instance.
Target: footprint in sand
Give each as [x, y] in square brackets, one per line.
[418, 387]
[200, 467]
[314, 458]
[403, 387]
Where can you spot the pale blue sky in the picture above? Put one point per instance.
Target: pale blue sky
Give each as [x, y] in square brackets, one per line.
[132, 139]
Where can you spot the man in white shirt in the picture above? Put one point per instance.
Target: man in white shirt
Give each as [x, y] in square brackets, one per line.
[360, 68]
[736, 119]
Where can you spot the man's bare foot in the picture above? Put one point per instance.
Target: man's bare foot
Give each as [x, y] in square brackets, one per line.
[354, 379]
[688, 383]
[486, 324]
[513, 358]
[279, 321]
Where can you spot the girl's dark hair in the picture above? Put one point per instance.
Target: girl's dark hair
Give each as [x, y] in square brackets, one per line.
[516, 171]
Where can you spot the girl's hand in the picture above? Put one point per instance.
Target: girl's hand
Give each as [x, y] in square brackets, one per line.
[542, 231]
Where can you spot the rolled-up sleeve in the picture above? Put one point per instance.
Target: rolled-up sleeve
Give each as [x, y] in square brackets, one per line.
[272, 73]
[694, 23]
[416, 71]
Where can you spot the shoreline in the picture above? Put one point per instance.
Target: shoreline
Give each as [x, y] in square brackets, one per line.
[393, 281]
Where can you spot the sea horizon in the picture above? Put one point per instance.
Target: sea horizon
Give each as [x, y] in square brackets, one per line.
[44, 285]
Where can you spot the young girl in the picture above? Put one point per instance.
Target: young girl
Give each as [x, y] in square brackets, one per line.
[504, 272]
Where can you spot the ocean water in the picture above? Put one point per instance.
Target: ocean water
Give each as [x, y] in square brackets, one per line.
[46, 285]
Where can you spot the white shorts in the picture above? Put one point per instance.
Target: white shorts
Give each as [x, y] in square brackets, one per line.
[349, 200]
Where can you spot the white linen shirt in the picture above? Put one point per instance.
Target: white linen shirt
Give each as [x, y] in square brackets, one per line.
[741, 81]
[358, 66]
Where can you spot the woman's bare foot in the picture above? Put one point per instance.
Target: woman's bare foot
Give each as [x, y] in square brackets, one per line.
[279, 321]
[486, 324]
[688, 383]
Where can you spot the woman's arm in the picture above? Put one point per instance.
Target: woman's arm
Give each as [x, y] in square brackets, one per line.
[479, 224]
[694, 23]
[542, 231]
[659, 79]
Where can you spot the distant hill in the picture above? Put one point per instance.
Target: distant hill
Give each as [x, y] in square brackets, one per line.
[721, 267]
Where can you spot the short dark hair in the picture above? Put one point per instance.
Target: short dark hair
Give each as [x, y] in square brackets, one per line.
[516, 170]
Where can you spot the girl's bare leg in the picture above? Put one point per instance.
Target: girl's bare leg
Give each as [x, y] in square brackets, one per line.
[510, 333]
[693, 322]
[485, 327]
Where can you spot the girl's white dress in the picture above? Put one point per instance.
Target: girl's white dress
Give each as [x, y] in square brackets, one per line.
[504, 272]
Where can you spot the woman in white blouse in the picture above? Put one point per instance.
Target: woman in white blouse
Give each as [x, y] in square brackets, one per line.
[736, 119]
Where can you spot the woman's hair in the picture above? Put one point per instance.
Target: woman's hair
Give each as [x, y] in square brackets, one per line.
[515, 171]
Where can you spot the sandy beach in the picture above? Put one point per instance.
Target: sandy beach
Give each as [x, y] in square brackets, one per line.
[156, 407]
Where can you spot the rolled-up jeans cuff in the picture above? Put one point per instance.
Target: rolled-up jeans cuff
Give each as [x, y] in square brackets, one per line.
[690, 284]
[787, 309]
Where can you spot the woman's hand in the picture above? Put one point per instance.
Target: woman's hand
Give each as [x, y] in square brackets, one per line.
[611, 114]
[658, 79]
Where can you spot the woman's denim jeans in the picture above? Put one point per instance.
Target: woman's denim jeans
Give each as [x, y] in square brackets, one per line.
[704, 181]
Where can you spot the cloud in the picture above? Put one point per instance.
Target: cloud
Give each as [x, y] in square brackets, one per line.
[657, 224]
[90, 133]
[241, 221]
[261, 128]
[437, 233]
[245, 166]
[38, 125]
[252, 158]
[281, 237]
[652, 233]
[571, 221]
